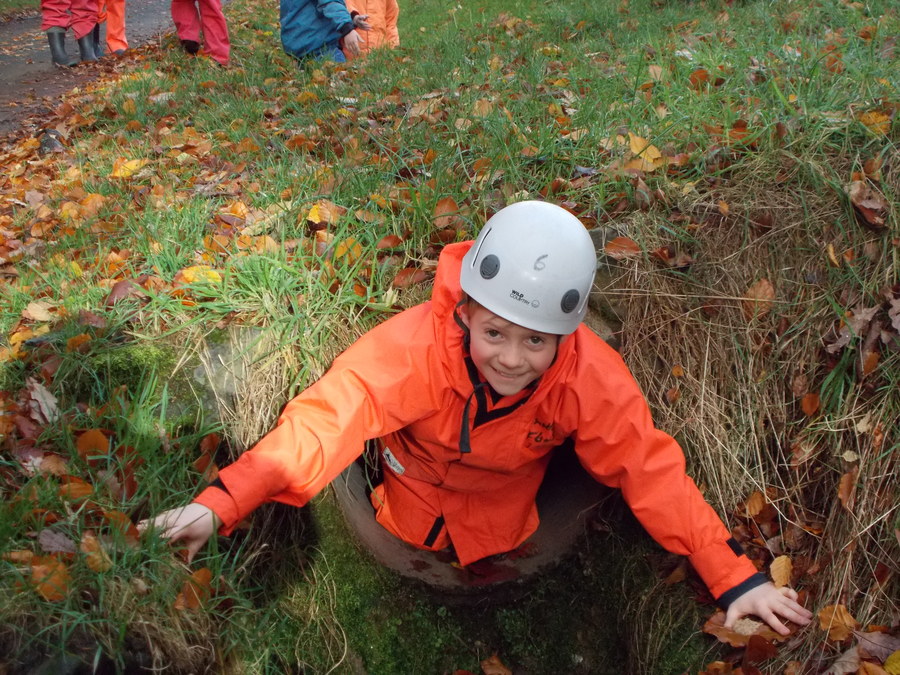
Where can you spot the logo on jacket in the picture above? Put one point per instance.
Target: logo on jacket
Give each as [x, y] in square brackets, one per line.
[393, 462]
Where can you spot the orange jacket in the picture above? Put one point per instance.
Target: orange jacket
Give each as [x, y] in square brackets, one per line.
[383, 19]
[482, 500]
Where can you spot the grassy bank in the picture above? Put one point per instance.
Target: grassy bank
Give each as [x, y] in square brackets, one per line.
[744, 155]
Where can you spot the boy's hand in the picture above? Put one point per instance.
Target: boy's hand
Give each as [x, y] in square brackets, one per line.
[351, 42]
[766, 602]
[359, 21]
[192, 525]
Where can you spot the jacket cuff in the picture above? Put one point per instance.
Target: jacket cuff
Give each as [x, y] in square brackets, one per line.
[345, 29]
[733, 594]
[722, 566]
[219, 502]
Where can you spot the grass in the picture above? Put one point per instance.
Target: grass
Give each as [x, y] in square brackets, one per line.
[13, 8]
[238, 286]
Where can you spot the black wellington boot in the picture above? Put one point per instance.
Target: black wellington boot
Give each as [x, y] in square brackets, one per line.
[98, 41]
[86, 48]
[56, 36]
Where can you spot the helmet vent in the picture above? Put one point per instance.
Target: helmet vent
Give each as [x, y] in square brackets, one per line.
[570, 300]
[490, 265]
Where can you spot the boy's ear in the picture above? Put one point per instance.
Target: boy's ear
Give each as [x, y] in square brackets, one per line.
[464, 314]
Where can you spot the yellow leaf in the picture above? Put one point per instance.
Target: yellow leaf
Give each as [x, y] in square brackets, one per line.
[127, 168]
[129, 107]
[198, 273]
[642, 148]
[892, 663]
[837, 621]
[876, 121]
[780, 570]
[95, 556]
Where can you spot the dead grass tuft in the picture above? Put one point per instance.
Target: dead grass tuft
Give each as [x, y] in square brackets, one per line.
[727, 377]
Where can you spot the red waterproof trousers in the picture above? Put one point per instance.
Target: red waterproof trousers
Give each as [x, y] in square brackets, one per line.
[79, 15]
[113, 13]
[193, 16]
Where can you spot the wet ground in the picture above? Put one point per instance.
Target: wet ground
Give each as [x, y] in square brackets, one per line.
[31, 86]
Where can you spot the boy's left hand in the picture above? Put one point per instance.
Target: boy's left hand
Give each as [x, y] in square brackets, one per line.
[766, 602]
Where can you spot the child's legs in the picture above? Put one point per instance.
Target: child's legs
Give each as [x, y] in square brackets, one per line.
[115, 25]
[331, 50]
[84, 16]
[215, 30]
[187, 20]
[55, 14]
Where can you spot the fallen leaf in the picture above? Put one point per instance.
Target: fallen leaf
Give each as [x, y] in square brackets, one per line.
[837, 621]
[758, 299]
[195, 591]
[870, 206]
[95, 556]
[494, 666]
[847, 489]
[739, 636]
[810, 404]
[879, 645]
[53, 541]
[91, 444]
[620, 248]
[780, 571]
[50, 578]
[123, 168]
[37, 311]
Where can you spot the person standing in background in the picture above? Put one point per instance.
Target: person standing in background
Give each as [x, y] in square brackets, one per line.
[382, 19]
[193, 16]
[112, 13]
[57, 17]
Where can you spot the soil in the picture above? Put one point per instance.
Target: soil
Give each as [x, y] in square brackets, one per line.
[32, 86]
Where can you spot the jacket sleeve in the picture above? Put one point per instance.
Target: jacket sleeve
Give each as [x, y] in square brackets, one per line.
[391, 15]
[619, 445]
[320, 432]
[336, 12]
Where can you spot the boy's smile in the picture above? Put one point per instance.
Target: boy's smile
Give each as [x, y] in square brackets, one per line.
[508, 356]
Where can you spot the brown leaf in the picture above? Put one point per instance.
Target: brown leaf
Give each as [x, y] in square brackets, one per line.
[91, 444]
[837, 621]
[195, 591]
[758, 299]
[870, 206]
[810, 404]
[494, 666]
[620, 248]
[739, 636]
[877, 645]
[446, 213]
[408, 276]
[50, 578]
[759, 649]
[847, 489]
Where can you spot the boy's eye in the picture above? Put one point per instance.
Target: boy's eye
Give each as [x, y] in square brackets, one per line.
[535, 340]
[491, 333]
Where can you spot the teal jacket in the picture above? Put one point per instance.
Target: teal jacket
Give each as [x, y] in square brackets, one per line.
[308, 25]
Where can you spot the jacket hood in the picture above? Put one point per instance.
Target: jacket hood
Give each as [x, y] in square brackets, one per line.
[445, 298]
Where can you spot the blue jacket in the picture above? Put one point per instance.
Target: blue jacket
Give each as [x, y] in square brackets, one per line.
[307, 25]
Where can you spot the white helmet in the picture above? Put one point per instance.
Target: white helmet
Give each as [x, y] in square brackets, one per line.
[533, 264]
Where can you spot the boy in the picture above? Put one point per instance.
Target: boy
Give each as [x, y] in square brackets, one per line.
[468, 394]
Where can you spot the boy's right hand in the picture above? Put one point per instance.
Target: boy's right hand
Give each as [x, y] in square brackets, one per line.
[192, 525]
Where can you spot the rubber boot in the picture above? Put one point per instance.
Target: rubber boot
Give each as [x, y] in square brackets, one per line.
[190, 46]
[86, 48]
[98, 42]
[56, 36]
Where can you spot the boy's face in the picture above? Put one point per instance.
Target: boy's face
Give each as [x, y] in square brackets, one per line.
[507, 355]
